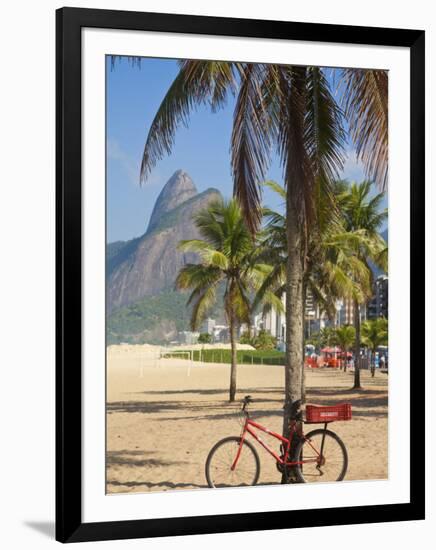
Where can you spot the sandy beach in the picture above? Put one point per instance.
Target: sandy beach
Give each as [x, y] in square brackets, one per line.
[164, 415]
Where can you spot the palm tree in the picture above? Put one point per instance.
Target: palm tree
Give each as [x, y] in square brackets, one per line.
[291, 108]
[345, 337]
[227, 256]
[375, 334]
[363, 215]
[327, 337]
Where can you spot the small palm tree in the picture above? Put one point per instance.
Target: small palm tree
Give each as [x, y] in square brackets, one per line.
[327, 337]
[345, 337]
[374, 334]
[227, 256]
[363, 215]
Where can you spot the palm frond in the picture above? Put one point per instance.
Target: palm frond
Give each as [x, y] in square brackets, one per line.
[272, 280]
[208, 254]
[270, 299]
[323, 297]
[196, 83]
[207, 221]
[325, 142]
[194, 276]
[195, 245]
[276, 187]
[273, 218]
[365, 101]
[345, 336]
[202, 302]
[382, 259]
[375, 333]
[251, 143]
[241, 303]
[324, 132]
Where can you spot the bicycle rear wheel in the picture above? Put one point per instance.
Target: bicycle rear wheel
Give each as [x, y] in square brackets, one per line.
[330, 466]
[221, 459]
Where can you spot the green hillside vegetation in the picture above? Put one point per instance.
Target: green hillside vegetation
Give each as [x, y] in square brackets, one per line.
[153, 320]
[133, 323]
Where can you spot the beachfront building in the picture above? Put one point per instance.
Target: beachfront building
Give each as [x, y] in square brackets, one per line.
[315, 319]
[274, 321]
[345, 312]
[188, 337]
[378, 306]
[208, 326]
[219, 333]
[257, 323]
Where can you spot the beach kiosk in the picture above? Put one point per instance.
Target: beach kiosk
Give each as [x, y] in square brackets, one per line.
[330, 356]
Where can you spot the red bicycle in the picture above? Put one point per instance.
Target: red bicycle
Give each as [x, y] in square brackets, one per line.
[317, 456]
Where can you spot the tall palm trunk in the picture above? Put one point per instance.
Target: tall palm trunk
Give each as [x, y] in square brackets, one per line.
[357, 346]
[234, 357]
[373, 362]
[294, 313]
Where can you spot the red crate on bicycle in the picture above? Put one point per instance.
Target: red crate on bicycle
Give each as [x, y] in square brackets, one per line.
[331, 413]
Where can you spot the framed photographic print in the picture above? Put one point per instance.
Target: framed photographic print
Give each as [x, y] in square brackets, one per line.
[240, 235]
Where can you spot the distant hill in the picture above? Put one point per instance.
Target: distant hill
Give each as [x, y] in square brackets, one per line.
[141, 272]
[155, 319]
[148, 265]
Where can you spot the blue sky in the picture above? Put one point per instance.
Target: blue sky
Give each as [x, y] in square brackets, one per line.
[133, 97]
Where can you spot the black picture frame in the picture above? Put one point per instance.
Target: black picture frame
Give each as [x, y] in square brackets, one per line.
[69, 22]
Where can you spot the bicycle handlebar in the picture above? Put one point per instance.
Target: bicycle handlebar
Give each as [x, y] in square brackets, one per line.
[246, 401]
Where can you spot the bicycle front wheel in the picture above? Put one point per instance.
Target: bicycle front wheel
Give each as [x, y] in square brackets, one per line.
[324, 458]
[222, 456]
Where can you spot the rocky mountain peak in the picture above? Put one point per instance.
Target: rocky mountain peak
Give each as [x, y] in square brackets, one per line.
[178, 189]
[148, 265]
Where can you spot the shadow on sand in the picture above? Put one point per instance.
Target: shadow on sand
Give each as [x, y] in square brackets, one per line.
[149, 485]
[362, 401]
[136, 458]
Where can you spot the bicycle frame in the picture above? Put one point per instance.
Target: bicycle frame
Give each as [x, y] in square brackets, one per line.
[248, 428]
